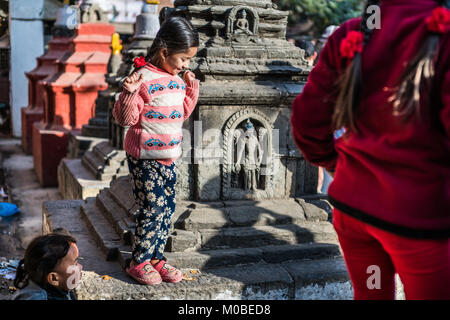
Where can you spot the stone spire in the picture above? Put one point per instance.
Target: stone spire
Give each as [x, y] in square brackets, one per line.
[91, 13]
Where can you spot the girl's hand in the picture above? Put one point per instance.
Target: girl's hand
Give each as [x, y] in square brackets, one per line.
[188, 77]
[133, 82]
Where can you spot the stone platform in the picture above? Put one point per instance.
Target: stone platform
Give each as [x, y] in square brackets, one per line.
[269, 249]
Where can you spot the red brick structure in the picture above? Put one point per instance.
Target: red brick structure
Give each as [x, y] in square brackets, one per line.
[69, 97]
[46, 66]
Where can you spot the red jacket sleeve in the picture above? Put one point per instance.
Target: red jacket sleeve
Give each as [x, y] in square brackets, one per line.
[445, 112]
[312, 110]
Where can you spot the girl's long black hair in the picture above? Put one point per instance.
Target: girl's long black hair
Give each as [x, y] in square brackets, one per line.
[177, 34]
[41, 257]
[417, 76]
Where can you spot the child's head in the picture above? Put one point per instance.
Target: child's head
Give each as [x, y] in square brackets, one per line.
[175, 44]
[407, 94]
[310, 51]
[50, 259]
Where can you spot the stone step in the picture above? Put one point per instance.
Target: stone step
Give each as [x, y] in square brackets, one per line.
[95, 130]
[255, 281]
[100, 120]
[205, 260]
[211, 259]
[242, 214]
[75, 181]
[89, 162]
[122, 193]
[110, 155]
[100, 163]
[99, 168]
[251, 237]
[302, 273]
[122, 223]
[101, 230]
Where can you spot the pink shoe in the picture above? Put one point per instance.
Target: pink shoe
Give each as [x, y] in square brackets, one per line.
[144, 273]
[167, 272]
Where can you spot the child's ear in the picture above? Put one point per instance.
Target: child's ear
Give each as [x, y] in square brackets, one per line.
[53, 279]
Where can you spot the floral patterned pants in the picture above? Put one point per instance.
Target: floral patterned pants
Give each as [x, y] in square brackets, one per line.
[154, 192]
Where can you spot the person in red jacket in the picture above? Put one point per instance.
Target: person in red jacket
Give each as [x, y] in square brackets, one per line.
[389, 89]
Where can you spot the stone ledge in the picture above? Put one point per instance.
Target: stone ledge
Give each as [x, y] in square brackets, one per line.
[77, 182]
[257, 281]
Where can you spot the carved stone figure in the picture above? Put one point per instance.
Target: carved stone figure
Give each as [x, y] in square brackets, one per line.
[242, 24]
[249, 154]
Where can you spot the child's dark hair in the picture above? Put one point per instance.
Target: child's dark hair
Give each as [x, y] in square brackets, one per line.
[307, 46]
[41, 257]
[406, 99]
[176, 34]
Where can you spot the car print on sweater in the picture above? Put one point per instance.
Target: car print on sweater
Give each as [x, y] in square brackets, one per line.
[155, 114]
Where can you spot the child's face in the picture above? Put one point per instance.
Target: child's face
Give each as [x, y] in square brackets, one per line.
[178, 62]
[67, 273]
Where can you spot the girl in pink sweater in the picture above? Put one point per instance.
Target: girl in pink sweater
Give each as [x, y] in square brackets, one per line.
[154, 103]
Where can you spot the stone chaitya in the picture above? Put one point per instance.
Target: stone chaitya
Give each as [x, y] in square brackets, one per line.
[246, 202]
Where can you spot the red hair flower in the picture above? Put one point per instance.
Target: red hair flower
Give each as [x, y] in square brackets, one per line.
[139, 62]
[439, 21]
[351, 44]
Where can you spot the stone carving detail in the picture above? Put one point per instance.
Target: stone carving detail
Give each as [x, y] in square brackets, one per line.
[247, 152]
[248, 157]
[242, 24]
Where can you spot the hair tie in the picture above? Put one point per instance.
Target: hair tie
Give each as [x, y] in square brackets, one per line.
[351, 44]
[139, 62]
[439, 21]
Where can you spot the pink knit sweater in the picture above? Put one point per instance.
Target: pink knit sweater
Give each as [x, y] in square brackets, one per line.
[155, 113]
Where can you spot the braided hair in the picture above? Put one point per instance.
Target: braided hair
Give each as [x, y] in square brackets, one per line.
[417, 76]
[406, 99]
[350, 83]
[41, 257]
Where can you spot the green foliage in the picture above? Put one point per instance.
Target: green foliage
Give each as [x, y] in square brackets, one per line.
[321, 12]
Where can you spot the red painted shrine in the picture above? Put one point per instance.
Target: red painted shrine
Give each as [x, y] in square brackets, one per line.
[68, 96]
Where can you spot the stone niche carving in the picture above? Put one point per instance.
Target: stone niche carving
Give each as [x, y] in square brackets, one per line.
[248, 157]
[242, 24]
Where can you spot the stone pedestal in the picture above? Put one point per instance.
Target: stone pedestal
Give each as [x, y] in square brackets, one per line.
[49, 147]
[70, 94]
